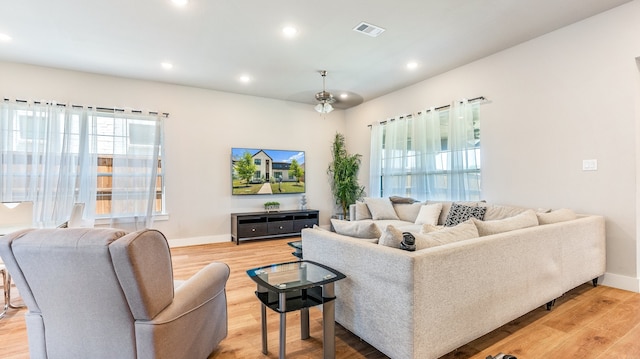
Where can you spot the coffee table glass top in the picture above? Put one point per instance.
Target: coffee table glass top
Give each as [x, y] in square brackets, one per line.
[284, 277]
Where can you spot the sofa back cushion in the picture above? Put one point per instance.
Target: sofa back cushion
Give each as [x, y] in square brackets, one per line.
[444, 235]
[362, 211]
[522, 220]
[380, 208]
[559, 215]
[407, 212]
[357, 229]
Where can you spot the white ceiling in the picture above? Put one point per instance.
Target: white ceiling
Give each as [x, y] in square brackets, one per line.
[212, 43]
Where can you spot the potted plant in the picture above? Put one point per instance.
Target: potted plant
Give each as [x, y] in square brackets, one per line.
[271, 206]
[343, 175]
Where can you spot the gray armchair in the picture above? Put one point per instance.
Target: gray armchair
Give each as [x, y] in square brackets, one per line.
[103, 293]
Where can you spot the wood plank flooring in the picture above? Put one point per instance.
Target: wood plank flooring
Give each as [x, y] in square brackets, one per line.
[587, 322]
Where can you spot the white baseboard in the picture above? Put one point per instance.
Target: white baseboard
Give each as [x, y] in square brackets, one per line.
[195, 241]
[621, 282]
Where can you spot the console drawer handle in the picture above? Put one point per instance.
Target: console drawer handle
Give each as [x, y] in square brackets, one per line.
[253, 229]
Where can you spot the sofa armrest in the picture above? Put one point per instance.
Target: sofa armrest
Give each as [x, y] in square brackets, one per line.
[352, 212]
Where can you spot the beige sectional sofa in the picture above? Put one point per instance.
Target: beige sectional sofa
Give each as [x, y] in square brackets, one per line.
[426, 303]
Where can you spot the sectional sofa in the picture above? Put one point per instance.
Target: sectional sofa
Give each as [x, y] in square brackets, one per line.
[428, 302]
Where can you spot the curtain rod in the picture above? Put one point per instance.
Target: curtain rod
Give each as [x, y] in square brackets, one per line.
[479, 98]
[100, 109]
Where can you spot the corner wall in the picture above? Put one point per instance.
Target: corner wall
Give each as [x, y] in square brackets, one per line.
[553, 102]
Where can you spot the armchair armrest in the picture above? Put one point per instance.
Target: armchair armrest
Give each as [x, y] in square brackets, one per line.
[202, 287]
[193, 324]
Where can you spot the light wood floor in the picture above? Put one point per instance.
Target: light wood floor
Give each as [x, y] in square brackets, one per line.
[587, 322]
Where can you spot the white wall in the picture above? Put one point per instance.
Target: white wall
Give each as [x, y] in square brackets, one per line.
[202, 127]
[554, 101]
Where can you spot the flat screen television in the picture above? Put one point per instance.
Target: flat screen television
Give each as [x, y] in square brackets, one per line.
[257, 171]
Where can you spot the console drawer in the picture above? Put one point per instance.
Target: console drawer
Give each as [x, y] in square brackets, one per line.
[280, 227]
[252, 230]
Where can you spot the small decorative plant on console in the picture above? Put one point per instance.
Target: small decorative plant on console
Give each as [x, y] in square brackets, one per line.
[271, 206]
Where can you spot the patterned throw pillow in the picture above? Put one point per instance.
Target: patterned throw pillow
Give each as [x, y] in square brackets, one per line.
[460, 213]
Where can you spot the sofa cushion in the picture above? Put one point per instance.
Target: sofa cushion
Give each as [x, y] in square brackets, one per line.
[407, 212]
[559, 215]
[380, 208]
[429, 214]
[463, 231]
[460, 213]
[522, 220]
[357, 229]
[495, 212]
[362, 211]
[391, 237]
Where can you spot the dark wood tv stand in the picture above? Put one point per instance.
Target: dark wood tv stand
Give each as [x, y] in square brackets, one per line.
[260, 225]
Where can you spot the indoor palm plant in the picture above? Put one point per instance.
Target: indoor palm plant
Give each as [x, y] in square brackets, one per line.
[343, 175]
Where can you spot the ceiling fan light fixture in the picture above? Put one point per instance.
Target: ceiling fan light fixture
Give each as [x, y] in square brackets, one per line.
[324, 107]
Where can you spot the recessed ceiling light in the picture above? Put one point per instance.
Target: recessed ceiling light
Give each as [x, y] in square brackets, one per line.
[167, 65]
[180, 3]
[412, 65]
[245, 79]
[289, 31]
[5, 37]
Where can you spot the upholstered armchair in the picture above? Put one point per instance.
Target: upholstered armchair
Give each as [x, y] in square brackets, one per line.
[104, 293]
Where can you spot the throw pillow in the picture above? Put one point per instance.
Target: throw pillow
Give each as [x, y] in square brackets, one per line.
[559, 215]
[407, 212]
[362, 211]
[429, 214]
[446, 207]
[460, 213]
[391, 237]
[398, 199]
[357, 229]
[463, 231]
[380, 208]
[522, 220]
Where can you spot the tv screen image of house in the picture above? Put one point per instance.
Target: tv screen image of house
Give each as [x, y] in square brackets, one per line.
[261, 171]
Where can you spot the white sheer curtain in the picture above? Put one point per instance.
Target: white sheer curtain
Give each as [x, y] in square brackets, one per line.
[464, 155]
[431, 155]
[135, 169]
[42, 161]
[49, 155]
[375, 165]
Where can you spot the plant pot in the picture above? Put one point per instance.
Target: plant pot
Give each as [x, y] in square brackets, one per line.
[271, 208]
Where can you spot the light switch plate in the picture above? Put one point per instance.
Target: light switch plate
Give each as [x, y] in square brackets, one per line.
[589, 165]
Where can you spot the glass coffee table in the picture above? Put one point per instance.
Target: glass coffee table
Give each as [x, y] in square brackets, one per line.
[291, 286]
[297, 246]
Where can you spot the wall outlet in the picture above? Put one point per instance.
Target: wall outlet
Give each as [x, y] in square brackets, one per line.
[589, 165]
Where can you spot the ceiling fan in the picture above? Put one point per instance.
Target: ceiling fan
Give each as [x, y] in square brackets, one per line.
[325, 101]
[324, 98]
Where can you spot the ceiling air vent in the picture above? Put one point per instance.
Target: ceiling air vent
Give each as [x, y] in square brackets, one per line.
[368, 29]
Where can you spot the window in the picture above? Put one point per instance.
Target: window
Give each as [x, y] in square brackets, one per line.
[56, 156]
[127, 143]
[257, 161]
[432, 155]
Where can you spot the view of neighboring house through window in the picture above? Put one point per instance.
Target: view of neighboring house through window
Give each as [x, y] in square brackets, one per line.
[431, 155]
[56, 156]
